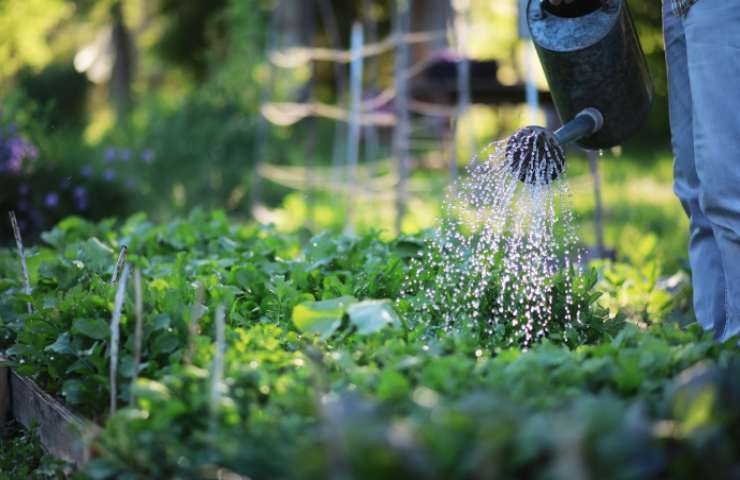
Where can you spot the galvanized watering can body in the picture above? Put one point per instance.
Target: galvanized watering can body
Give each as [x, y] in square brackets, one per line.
[594, 61]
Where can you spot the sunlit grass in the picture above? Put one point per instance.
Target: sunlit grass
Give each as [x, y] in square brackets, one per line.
[636, 190]
[638, 200]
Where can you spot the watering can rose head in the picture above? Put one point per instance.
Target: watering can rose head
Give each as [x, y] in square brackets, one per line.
[535, 156]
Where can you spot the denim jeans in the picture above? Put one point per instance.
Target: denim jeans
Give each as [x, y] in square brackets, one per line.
[703, 57]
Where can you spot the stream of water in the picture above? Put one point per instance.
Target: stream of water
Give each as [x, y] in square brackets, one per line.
[501, 255]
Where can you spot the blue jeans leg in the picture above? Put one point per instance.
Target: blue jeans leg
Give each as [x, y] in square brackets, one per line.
[704, 253]
[713, 49]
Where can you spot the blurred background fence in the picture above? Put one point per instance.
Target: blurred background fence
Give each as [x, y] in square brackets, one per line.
[340, 114]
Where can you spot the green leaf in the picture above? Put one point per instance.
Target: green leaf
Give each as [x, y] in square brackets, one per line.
[322, 318]
[161, 322]
[150, 391]
[393, 386]
[165, 343]
[72, 391]
[97, 256]
[408, 247]
[100, 469]
[95, 328]
[62, 345]
[372, 316]
[18, 350]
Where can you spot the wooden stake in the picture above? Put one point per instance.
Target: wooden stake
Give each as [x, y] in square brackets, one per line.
[119, 264]
[401, 21]
[196, 313]
[217, 368]
[353, 136]
[115, 334]
[22, 256]
[139, 305]
[593, 162]
[464, 98]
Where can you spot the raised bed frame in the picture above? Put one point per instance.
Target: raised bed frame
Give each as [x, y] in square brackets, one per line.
[61, 432]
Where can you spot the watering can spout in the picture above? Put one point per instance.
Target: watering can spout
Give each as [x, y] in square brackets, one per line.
[587, 122]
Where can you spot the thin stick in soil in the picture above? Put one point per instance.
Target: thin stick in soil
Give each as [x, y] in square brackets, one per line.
[217, 372]
[119, 264]
[22, 255]
[196, 313]
[115, 333]
[139, 306]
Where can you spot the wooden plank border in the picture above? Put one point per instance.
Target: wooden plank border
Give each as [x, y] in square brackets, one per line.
[62, 433]
[4, 396]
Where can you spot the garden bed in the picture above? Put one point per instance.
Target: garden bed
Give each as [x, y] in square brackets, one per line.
[313, 374]
[60, 431]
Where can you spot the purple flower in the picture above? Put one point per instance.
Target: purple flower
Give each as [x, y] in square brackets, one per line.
[110, 155]
[14, 164]
[109, 175]
[125, 155]
[51, 200]
[86, 171]
[147, 156]
[80, 196]
[23, 189]
[14, 149]
[130, 183]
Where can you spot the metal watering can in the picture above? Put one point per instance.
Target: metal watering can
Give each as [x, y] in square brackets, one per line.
[598, 78]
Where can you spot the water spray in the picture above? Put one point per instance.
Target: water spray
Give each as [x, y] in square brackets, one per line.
[598, 78]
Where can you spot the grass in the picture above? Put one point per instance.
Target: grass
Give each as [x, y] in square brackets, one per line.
[636, 189]
[638, 202]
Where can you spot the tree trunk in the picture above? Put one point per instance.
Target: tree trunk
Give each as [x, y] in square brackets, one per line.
[123, 62]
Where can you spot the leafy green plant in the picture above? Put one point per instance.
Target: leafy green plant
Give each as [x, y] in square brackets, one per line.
[22, 456]
[328, 369]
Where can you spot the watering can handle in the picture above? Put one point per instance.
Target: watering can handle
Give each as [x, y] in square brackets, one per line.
[573, 8]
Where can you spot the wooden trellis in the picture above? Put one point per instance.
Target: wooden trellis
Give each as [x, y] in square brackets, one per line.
[391, 108]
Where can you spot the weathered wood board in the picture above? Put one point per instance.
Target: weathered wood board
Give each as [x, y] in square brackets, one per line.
[4, 396]
[60, 431]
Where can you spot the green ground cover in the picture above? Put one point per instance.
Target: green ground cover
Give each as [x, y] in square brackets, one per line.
[22, 456]
[328, 371]
[638, 201]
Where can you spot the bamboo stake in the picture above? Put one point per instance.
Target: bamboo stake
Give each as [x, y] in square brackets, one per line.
[463, 83]
[196, 313]
[354, 132]
[372, 144]
[260, 144]
[115, 334]
[139, 306]
[119, 264]
[217, 368]
[22, 256]
[598, 204]
[331, 26]
[401, 131]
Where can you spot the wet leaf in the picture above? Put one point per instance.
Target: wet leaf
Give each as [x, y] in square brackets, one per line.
[321, 318]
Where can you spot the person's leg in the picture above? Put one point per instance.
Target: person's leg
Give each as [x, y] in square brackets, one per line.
[704, 255]
[712, 30]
